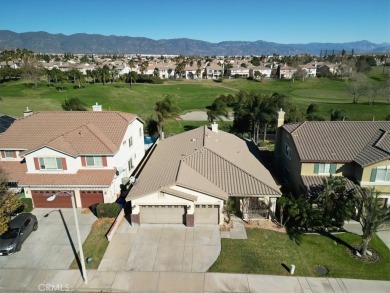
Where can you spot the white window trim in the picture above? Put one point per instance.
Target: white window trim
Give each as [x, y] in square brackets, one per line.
[42, 159]
[95, 165]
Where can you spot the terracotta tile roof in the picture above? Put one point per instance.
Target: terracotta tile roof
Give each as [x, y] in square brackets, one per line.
[94, 178]
[341, 141]
[16, 172]
[219, 164]
[71, 132]
[13, 170]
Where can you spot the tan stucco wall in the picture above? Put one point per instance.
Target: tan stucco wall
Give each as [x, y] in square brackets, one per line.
[383, 187]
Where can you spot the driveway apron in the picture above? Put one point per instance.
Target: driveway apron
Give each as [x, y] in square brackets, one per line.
[162, 248]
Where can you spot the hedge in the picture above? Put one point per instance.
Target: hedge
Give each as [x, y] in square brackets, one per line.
[107, 210]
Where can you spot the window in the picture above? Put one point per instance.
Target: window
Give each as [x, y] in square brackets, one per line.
[140, 131]
[93, 161]
[287, 151]
[130, 164]
[8, 154]
[130, 141]
[50, 163]
[325, 168]
[380, 174]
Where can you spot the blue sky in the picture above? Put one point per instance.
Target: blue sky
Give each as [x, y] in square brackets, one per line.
[281, 21]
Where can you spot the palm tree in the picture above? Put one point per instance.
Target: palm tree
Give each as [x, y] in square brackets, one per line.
[165, 109]
[217, 110]
[373, 217]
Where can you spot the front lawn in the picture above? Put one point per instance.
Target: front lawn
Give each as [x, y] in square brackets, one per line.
[96, 243]
[264, 252]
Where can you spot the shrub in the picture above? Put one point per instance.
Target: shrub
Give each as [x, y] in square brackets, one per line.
[27, 202]
[107, 210]
[141, 78]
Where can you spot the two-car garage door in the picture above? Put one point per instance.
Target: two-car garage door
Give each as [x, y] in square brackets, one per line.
[175, 214]
[88, 198]
[170, 214]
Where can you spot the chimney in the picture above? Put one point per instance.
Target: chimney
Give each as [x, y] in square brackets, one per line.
[97, 107]
[27, 112]
[280, 117]
[214, 127]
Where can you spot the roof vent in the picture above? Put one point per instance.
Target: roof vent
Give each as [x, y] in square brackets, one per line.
[193, 139]
[27, 112]
[97, 107]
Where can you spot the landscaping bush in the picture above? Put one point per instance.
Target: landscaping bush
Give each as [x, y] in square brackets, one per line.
[148, 79]
[27, 202]
[107, 210]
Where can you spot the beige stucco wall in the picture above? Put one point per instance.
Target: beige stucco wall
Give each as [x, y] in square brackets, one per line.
[383, 187]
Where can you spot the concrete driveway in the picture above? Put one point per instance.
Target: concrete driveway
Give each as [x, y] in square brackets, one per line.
[50, 246]
[162, 248]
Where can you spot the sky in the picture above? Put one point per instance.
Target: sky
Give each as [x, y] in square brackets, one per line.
[280, 21]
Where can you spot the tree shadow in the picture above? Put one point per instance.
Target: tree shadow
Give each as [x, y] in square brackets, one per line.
[294, 234]
[338, 240]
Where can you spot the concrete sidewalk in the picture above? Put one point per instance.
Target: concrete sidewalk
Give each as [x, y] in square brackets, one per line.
[17, 280]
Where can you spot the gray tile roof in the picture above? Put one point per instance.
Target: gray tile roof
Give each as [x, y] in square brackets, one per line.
[219, 164]
[365, 142]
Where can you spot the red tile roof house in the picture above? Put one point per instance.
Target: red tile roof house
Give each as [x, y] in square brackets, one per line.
[189, 177]
[308, 152]
[87, 153]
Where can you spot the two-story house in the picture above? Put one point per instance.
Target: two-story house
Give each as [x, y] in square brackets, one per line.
[89, 154]
[307, 152]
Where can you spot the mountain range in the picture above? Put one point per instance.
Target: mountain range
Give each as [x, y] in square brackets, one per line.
[44, 42]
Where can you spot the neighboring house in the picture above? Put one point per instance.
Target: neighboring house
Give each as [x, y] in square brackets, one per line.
[88, 153]
[238, 71]
[266, 71]
[190, 176]
[285, 72]
[310, 151]
[212, 71]
[5, 122]
[310, 69]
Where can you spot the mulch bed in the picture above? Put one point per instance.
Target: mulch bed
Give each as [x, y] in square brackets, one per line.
[364, 258]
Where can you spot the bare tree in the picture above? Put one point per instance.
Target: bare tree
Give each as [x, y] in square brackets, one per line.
[357, 85]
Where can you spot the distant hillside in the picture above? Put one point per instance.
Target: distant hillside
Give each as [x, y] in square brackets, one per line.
[91, 43]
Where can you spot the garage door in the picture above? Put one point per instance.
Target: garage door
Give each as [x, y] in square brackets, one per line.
[162, 215]
[206, 214]
[90, 197]
[39, 198]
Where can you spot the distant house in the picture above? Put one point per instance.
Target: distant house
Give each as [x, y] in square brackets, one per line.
[310, 69]
[213, 71]
[238, 71]
[87, 153]
[285, 72]
[310, 151]
[190, 176]
[266, 71]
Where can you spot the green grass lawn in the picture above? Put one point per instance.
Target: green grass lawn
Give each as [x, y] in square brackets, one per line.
[96, 243]
[264, 252]
[190, 95]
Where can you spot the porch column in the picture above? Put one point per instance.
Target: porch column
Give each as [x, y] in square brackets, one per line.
[273, 207]
[244, 203]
